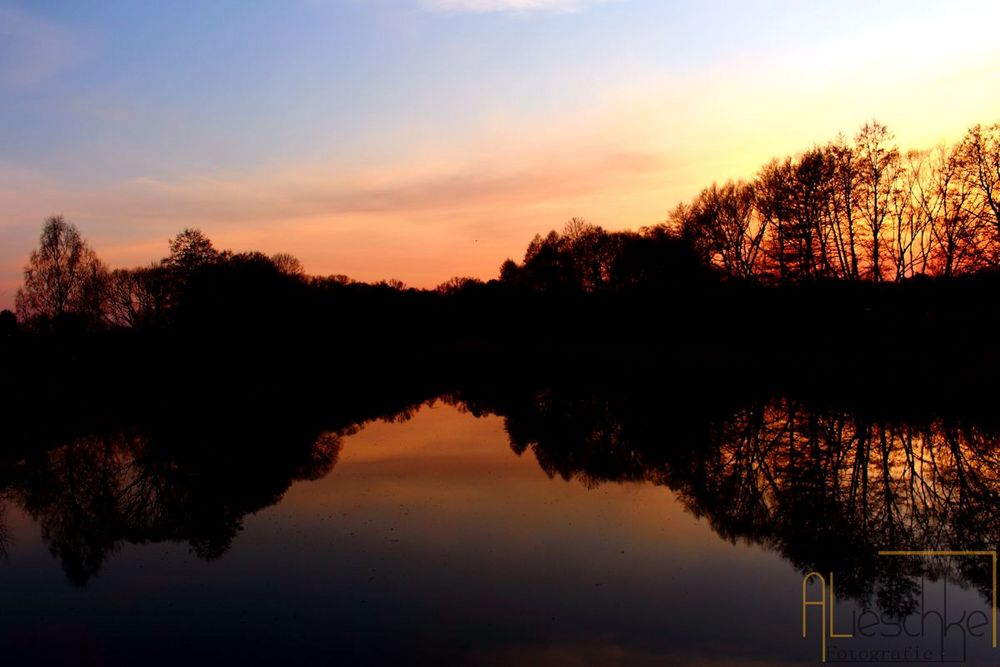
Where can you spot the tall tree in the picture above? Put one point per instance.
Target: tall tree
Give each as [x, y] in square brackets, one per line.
[722, 226]
[63, 276]
[190, 250]
[137, 297]
[981, 149]
[911, 234]
[774, 204]
[879, 165]
[844, 207]
[813, 192]
[945, 197]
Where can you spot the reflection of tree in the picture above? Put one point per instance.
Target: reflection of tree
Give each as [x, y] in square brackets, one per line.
[194, 483]
[94, 493]
[828, 489]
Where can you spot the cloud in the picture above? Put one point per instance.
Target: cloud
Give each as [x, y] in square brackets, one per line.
[513, 6]
[32, 50]
[311, 191]
[407, 219]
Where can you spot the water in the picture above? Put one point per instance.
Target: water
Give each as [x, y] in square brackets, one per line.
[434, 536]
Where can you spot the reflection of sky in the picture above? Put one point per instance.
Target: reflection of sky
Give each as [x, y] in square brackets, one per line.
[428, 138]
[429, 539]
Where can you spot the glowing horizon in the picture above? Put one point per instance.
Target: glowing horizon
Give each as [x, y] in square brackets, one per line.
[425, 139]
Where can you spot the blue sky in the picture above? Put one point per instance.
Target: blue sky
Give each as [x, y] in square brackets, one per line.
[427, 138]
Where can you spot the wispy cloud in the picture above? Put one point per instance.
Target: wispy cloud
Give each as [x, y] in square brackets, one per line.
[308, 192]
[510, 6]
[32, 49]
[403, 219]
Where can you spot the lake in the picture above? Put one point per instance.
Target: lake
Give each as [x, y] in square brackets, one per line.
[541, 530]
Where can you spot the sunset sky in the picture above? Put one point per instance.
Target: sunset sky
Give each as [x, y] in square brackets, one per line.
[421, 139]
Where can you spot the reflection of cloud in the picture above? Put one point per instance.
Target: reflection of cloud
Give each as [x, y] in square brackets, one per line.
[32, 50]
[484, 6]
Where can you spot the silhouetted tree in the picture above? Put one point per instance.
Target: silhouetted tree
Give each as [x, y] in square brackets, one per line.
[854, 210]
[190, 250]
[62, 277]
[722, 225]
[981, 159]
[392, 283]
[911, 239]
[457, 284]
[288, 264]
[510, 272]
[656, 258]
[585, 258]
[812, 205]
[138, 297]
[944, 196]
[775, 203]
[844, 202]
[878, 162]
[545, 266]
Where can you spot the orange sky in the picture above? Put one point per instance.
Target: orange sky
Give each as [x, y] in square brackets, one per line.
[463, 171]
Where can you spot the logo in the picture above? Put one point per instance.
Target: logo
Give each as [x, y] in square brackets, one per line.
[930, 633]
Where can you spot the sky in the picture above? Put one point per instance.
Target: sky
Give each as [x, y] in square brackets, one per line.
[424, 139]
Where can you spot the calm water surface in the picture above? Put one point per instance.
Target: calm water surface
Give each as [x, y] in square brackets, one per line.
[428, 541]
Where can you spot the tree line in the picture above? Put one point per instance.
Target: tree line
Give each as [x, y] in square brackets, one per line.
[860, 210]
[66, 285]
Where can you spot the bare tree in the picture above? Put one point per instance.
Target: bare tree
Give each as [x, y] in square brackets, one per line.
[879, 166]
[910, 242]
[843, 213]
[723, 226]
[457, 284]
[774, 204]
[945, 197]
[981, 152]
[855, 209]
[63, 276]
[288, 264]
[813, 191]
[137, 297]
